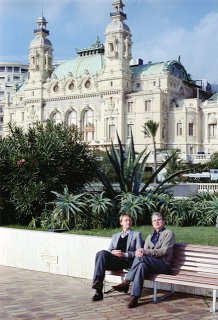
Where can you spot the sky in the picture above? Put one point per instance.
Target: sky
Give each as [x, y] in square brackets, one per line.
[161, 30]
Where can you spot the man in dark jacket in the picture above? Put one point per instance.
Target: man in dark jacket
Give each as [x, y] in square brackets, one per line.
[120, 254]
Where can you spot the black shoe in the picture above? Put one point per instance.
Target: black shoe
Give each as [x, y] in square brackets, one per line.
[122, 287]
[133, 302]
[98, 296]
[97, 285]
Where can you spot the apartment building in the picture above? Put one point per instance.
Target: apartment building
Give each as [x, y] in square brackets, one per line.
[11, 74]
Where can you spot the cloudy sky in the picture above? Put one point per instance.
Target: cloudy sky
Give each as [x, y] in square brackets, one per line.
[162, 30]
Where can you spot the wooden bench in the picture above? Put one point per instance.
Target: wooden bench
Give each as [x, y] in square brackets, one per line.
[192, 265]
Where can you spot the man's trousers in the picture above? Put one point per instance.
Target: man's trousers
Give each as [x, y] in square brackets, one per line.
[142, 267]
[104, 260]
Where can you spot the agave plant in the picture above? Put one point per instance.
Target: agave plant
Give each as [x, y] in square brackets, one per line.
[129, 168]
[98, 203]
[213, 209]
[68, 208]
[132, 204]
[150, 129]
[100, 207]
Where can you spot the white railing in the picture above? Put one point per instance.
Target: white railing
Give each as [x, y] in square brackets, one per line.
[193, 158]
[207, 187]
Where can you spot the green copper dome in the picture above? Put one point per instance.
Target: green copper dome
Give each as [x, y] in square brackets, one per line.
[90, 60]
[78, 66]
[173, 67]
[214, 97]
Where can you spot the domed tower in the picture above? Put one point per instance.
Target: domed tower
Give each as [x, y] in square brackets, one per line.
[118, 50]
[40, 56]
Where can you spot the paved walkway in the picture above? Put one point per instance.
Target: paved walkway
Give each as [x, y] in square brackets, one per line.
[26, 294]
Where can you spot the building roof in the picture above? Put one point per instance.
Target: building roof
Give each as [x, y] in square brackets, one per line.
[214, 97]
[92, 63]
[173, 67]
[9, 63]
[39, 40]
[116, 26]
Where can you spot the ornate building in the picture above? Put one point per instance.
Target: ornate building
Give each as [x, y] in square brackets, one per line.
[103, 90]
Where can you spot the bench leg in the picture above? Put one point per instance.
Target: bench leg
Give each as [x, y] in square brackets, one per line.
[214, 301]
[123, 278]
[172, 288]
[104, 286]
[155, 291]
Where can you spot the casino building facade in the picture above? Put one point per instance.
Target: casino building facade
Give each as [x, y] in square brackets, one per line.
[104, 90]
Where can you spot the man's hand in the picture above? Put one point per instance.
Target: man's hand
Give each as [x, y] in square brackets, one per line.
[140, 252]
[118, 253]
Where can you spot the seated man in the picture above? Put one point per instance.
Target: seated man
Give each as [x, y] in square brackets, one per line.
[155, 257]
[120, 254]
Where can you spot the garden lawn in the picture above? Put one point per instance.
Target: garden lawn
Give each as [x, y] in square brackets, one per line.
[196, 235]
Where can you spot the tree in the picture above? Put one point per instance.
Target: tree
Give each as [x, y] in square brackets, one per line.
[150, 129]
[46, 158]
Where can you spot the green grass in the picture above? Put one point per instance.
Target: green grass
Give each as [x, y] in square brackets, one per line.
[195, 235]
[17, 226]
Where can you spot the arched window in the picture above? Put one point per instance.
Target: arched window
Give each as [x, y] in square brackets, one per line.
[72, 118]
[56, 88]
[88, 125]
[56, 117]
[88, 84]
[71, 86]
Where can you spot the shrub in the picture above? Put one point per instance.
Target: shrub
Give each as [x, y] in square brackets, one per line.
[198, 210]
[46, 158]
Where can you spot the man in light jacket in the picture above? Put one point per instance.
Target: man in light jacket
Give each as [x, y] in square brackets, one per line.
[155, 257]
[120, 254]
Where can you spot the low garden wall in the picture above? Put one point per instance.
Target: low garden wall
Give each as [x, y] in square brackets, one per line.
[60, 253]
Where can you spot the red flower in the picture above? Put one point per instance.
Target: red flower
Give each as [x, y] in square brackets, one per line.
[21, 162]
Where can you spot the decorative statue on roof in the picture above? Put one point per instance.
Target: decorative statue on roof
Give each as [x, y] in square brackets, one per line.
[127, 44]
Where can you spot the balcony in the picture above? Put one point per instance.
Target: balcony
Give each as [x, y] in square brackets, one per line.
[195, 158]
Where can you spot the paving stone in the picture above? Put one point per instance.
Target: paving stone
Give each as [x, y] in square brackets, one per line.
[27, 294]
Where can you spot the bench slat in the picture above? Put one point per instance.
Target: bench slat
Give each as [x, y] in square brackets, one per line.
[185, 282]
[202, 274]
[195, 248]
[195, 266]
[188, 255]
[197, 269]
[191, 277]
[183, 258]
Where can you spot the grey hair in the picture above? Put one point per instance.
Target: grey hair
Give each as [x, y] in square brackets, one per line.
[158, 214]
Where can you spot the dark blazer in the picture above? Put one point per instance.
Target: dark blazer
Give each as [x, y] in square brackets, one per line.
[134, 242]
